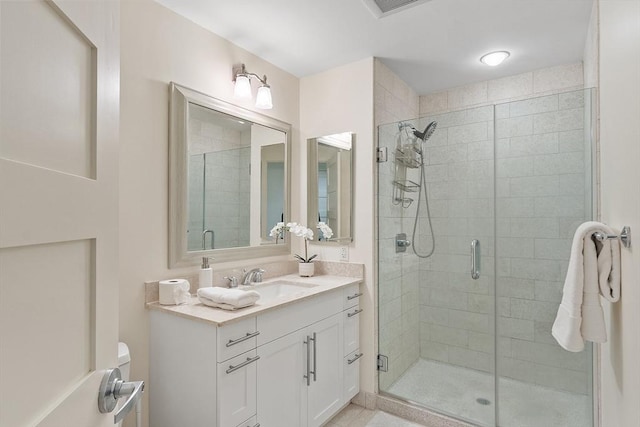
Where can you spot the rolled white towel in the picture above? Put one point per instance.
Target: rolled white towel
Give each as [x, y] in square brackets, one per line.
[228, 299]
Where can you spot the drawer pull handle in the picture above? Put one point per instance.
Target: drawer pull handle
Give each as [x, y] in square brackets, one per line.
[357, 356]
[242, 365]
[359, 294]
[244, 338]
[354, 313]
[257, 425]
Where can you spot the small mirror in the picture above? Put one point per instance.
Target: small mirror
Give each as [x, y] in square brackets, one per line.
[228, 180]
[330, 185]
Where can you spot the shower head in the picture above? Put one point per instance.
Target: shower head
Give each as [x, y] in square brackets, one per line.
[428, 131]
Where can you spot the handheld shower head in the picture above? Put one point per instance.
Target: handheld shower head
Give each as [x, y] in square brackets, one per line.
[428, 131]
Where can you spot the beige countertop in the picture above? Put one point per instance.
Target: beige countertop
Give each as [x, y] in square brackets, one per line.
[194, 309]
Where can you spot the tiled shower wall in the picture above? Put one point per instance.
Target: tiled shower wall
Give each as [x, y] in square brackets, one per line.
[398, 274]
[543, 186]
[542, 193]
[219, 182]
[457, 312]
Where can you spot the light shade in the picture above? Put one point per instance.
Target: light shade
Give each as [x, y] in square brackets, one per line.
[263, 98]
[494, 58]
[242, 88]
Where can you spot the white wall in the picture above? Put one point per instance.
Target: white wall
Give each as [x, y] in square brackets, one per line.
[158, 47]
[335, 101]
[620, 185]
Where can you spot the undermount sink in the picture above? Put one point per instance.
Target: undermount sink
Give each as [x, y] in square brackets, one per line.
[278, 289]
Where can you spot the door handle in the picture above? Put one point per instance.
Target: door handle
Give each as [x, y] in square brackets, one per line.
[315, 368]
[308, 374]
[112, 388]
[475, 259]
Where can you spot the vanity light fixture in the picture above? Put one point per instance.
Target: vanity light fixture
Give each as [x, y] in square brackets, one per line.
[494, 58]
[242, 89]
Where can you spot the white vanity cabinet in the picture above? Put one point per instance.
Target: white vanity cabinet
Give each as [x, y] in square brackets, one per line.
[293, 365]
[190, 383]
[304, 376]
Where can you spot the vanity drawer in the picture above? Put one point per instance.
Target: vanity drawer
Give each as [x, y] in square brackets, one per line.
[237, 389]
[351, 325]
[351, 378]
[236, 338]
[351, 295]
[282, 321]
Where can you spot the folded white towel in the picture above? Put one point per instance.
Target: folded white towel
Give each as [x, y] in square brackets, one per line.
[228, 299]
[594, 269]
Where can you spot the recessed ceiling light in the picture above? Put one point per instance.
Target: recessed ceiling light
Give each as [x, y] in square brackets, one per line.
[494, 58]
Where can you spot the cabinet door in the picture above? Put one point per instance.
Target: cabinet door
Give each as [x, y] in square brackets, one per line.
[282, 388]
[325, 391]
[237, 389]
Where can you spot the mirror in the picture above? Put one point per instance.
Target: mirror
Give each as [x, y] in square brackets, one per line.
[330, 185]
[228, 180]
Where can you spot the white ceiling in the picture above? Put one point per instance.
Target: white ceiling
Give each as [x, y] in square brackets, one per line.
[433, 46]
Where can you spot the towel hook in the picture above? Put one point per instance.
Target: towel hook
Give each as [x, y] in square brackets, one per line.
[625, 236]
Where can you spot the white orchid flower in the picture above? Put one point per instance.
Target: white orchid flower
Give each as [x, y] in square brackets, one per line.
[297, 230]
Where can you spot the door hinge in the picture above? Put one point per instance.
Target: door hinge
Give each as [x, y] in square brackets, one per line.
[383, 363]
[381, 154]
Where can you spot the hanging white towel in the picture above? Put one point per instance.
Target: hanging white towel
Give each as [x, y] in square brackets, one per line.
[228, 299]
[594, 270]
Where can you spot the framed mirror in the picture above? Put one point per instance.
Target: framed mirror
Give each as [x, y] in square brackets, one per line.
[330, 185]
[228, 180]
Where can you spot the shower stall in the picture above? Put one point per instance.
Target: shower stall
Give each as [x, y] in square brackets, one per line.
[490, 201]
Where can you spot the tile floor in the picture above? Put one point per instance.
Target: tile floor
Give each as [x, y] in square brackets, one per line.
[454, 390]
[357, 416]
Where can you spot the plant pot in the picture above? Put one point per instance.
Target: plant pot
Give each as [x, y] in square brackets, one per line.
[306, 269]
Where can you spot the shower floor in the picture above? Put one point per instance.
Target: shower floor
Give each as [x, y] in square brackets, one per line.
[454, 390]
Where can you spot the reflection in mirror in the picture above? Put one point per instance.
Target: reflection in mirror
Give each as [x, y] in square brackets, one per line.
[228, 180]
[330, 184]
[272, 177]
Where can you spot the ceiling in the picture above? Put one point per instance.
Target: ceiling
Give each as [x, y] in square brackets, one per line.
[432, 46]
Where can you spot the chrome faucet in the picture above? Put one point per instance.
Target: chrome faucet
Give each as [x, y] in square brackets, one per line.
[253, 275]
[204, 238]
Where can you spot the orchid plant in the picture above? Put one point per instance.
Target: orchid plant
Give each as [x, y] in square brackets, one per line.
[301, 231]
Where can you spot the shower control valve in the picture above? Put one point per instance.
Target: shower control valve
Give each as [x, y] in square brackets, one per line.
[402, 243]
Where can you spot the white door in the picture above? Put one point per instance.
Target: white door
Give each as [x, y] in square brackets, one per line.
[59, 90]
[325, 392]
[282, 388]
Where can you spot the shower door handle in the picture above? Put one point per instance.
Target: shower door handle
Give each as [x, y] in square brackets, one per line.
[475, 259]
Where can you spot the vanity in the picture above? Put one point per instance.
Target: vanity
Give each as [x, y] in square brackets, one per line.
[291, 360]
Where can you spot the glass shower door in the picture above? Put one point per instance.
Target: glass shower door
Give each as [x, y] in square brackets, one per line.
[436, 321]
[544, 182]
[507, 186]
